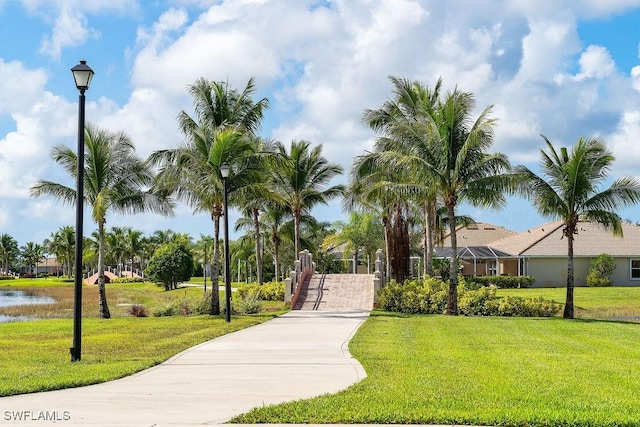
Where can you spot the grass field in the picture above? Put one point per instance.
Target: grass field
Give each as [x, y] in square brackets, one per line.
[35, 355]
[487, 371]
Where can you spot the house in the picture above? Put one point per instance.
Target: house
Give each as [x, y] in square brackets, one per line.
[476, 254]
[542, 252]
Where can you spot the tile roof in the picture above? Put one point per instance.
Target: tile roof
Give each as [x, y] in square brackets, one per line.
[592, 239]
[478, 234]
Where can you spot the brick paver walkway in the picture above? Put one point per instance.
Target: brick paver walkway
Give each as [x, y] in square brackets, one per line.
[339, 292]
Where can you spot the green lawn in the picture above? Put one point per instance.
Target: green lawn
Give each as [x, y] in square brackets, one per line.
[489, 371]
[35, 355]
[591, 303]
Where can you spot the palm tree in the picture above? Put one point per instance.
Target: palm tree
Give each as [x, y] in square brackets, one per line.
[62, 244]
[192, 173]
[275, 219]
[220, 133]
[115, 179]
[115, 240]
[253, 197]
[300, 177]
[133, 245]
[570, 190]
[32, 254]
[9, 251]
[403, 120]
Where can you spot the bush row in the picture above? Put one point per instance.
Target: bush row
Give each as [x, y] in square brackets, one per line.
[430, 297]
[127, 280]
[7, 278]
[501, 281]
[249, 304]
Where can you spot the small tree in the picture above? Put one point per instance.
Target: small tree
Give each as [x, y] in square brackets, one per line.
[600, 270]
[171, 264]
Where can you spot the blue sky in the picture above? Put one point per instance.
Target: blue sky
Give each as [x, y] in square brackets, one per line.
[563, 68]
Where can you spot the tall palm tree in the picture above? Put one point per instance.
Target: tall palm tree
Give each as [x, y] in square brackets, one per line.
[9, 251]
[403, 120]
[253, 197]
[300, 177]
[570, 190]
[192, 173]
[115, 179]
[224, 120]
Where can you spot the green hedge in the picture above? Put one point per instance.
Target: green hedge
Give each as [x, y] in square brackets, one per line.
[270, 291]
[7, 278]
[503, 282]
[127, 280]
[430, 297]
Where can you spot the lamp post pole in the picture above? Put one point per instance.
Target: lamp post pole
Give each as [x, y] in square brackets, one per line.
[224, 171]
[82, 75]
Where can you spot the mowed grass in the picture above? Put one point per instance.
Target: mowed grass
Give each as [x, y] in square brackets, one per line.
[590, 303]
[488, 371]
[34, 355]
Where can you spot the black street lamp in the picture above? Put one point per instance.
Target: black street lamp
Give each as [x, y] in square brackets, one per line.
[82, 74]
[224, 171]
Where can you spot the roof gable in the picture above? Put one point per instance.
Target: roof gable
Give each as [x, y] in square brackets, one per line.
[592, 240]
[477, 234]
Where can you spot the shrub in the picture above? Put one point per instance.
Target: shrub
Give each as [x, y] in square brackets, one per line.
[250, 304]
[271, 291]
[600, 270]
[175, 308]
[127, 280]
[430, 297]
[138, 310]
[7, 278]
[503, 282]
[170, 264]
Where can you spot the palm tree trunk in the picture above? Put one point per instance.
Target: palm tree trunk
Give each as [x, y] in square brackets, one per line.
[568, 305]
[102, 293]
[214, 309]
[256, 226]
[429, 210]
[296, 237]
[276, 257]
[387, 245]
[452, 302]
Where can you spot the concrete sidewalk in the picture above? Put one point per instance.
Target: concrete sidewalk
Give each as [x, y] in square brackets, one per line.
[298, 355]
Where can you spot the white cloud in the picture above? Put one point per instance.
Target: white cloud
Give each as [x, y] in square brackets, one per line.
[596, 62]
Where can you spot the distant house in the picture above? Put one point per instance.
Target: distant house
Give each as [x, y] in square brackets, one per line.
[542, 252]
[486, 250]
[476, 254]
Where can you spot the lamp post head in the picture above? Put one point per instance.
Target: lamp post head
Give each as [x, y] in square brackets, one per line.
[224, 171]
[82, 74]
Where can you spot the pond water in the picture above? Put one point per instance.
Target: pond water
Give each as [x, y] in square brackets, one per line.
[10, 298]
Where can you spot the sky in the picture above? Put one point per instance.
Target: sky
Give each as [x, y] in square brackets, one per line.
[562, 68]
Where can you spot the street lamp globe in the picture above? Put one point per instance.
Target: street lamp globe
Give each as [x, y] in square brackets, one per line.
[82, 74]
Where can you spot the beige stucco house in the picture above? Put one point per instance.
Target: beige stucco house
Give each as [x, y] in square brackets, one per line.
[542, 252]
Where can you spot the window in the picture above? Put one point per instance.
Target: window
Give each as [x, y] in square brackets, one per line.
[635, 269]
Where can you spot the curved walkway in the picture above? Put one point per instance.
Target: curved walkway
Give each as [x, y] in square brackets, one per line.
[298, 355]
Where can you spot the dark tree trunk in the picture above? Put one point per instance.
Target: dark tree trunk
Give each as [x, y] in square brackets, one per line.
[452, 301]
[399, 243]
[256, 226]
[429, 230]
[568, 305]
[214, 309]
[102, 292]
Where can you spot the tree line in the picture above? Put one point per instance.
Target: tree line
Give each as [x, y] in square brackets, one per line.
[430, 154]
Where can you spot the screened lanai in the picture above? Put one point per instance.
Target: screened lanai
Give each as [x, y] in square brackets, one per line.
[483, 261]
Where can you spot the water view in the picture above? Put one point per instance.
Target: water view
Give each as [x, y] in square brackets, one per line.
[10, 298]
